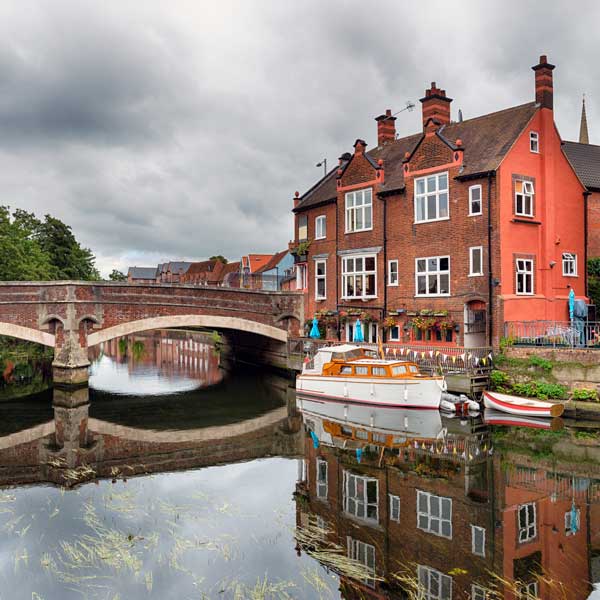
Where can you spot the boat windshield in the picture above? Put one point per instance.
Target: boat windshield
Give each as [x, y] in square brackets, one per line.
[347, 354]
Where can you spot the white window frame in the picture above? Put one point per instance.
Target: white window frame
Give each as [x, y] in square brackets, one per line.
[473, 273]
[528, 195]
[528, 591]
[394, 500]
[364, 274]
[352, 504]
[478, 592]
[528, 531]
[427, 273]
[322, 278]
[472, 188]
[320, 223]
[568, 524]
[534, 140]
[474, 530]
[364, 209]
[428, 573]
[391, 281]
[423, 196]
[322, 484]
[356, 548]
[394, 338]
[301, 277]
[524, 272]
[432, 517]
[569, 258]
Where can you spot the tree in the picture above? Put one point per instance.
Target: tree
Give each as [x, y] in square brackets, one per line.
[117, 275]
[69, 259]
[23, 259]
[220, 258]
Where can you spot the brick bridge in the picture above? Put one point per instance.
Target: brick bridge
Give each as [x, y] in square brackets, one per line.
[70, 316]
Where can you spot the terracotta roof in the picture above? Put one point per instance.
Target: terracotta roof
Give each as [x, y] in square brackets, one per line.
[585, 159]
[275, 260]
[231, 267]
[205, 266]
[256, 261]
[485, 140]
[142, 272]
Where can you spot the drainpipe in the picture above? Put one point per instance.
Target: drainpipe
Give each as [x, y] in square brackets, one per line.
[385, 273]
[337, 274]
[489, 248]
[586, 195]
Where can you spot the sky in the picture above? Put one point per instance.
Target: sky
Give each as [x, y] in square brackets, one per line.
[178, 130]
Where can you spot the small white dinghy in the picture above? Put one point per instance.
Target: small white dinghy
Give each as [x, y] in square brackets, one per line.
[495, 417]
[526, 407]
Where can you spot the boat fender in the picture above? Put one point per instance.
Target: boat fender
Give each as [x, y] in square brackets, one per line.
[446, 405]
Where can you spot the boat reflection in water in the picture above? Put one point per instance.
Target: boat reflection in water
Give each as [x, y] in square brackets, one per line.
[413, 504]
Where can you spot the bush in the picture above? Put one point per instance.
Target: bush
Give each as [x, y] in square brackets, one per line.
[540, 390]
[499, 380]
[541, 363]
[586, 395]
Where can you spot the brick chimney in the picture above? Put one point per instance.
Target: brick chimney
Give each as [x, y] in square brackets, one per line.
[544, 90]
[436, 105]
[386, 128]
[359, 147]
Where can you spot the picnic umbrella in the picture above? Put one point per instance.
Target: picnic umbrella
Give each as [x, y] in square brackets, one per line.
[358, 332]
[314, 332]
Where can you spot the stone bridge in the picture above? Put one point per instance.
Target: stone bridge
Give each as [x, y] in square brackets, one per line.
[70, 316]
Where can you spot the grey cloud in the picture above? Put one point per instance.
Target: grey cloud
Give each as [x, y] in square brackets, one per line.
[181, 130]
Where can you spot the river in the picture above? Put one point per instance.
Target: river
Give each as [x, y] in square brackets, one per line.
[173, 477]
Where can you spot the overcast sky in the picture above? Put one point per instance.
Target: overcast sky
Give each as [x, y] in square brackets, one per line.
[177, 130]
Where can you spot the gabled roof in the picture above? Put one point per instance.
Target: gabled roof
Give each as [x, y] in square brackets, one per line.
[486, 141]
[256, 261]
[205, 266]
[585, 159]
[275, 260]
[178, 267]
[141, 272]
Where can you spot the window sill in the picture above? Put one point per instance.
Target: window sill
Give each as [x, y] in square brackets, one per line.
[359, 230]
[320, 238]
[527, 295]
[392, 285]
[431, 221]
[475, 274]
[320, 299]
[525, 219]
[358, 298]
[572, 276]
[479, 214]
[432, 295]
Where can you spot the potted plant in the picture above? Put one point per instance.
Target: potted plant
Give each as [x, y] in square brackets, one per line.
[389, 322]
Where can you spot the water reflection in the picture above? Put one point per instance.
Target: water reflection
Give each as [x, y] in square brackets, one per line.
[412, 504]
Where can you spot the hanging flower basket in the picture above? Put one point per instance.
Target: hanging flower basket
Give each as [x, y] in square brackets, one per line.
[389, 322]
[445, 325]
[423, 323]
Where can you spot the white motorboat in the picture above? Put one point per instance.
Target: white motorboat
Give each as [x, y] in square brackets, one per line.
[347, 374]
[527, 407]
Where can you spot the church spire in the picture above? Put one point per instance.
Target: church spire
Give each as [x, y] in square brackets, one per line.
[583, 129]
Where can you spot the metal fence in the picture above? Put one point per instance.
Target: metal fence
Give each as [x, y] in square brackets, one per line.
[565, 334]
[445, 359]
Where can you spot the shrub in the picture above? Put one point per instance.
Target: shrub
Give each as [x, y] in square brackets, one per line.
[541, 363]
[583, 394]
[540, 390]
[499, 380]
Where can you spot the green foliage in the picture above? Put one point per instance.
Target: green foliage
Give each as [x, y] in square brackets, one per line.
[506, 342]
[41, 250]
[301, 249]
[541, 363]
[585, 395]
[217, 340]
[220, 258]
[541, 390]
[586, 435]
[499, 380]
[117, 275]
[593, 268]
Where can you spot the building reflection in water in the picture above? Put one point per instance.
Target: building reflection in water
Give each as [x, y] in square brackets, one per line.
[431, 507]
[166, 356]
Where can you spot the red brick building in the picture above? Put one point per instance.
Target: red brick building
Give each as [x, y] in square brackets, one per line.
[445, 235]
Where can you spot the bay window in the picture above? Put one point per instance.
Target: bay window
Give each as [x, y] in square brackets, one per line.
[431, 198]
[359, 276]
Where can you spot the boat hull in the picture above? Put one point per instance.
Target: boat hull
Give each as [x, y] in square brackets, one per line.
[495, 417]
[525, 407]
[405, 393]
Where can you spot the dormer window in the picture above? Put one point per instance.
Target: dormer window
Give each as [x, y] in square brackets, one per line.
[534, 142]
[524, 198]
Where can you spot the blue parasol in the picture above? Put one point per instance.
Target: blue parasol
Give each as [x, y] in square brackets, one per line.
[359, 454]
[358, 332]
[574, 519]
[314, 332]
[315, 439]
[571, 304]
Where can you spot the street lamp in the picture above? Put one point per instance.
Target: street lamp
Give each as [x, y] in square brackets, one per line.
[323, 164]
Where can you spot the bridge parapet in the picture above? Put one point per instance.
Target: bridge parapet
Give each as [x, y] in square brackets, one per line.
[72, 315]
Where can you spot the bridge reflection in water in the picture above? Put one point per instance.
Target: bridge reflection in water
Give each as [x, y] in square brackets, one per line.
[443, 508]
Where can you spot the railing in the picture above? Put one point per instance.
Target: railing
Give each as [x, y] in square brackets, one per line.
[254, 281]
[556, 334]
[445, 359]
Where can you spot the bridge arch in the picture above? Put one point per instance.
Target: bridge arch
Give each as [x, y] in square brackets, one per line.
[166, 322]
[28, 334]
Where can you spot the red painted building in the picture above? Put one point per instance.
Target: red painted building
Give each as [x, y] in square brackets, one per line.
[445, 235]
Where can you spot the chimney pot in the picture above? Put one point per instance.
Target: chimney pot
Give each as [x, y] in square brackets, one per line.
[436, 105]
[459, 142]
[380, 162]
[386, 128]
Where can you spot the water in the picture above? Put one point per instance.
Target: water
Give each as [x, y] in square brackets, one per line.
[172, 478]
